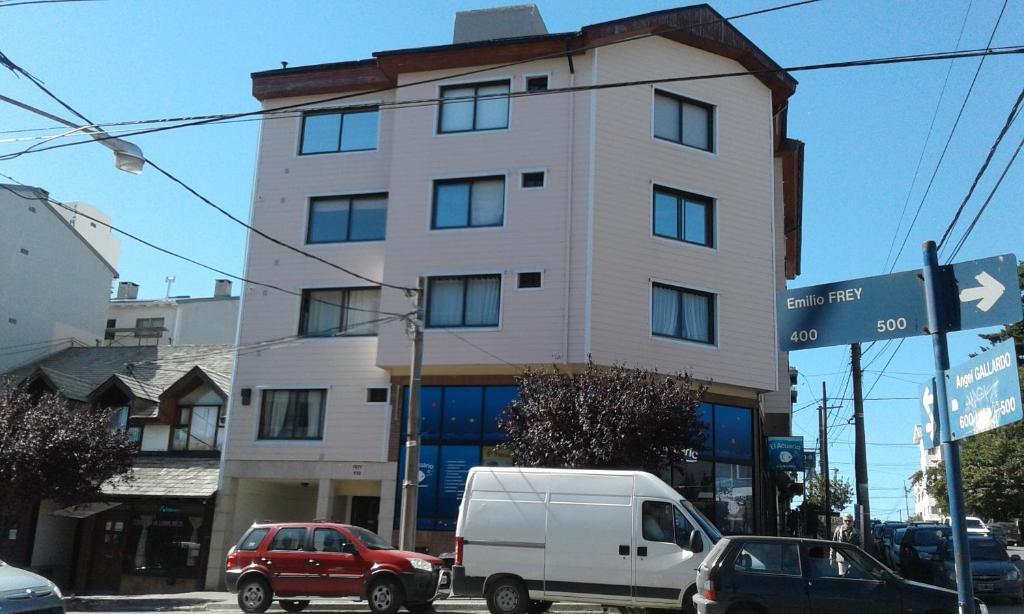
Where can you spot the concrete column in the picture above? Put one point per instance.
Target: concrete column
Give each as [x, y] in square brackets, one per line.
[221, 534]
[325, 498]
[386, 517]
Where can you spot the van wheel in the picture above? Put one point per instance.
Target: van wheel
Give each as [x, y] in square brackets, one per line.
[688, 606]
[384, 596]
[507, 596]
[254, 595]
[538, 607]
[292, 605]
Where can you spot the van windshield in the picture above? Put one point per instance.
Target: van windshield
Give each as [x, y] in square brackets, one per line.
[706, 525]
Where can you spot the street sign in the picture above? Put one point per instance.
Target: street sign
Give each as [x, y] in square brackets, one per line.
[984, 393]
[785, 453]
[893, 306]
[810, 461]
[930, 430]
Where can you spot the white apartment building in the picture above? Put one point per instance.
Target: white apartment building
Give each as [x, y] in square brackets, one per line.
[650, 225]
[924, 504]
[54, 281]
[175, 320]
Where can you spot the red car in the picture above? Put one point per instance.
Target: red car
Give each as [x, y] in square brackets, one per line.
[297, 561]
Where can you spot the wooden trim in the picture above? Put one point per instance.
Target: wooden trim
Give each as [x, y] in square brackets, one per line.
[792, 154]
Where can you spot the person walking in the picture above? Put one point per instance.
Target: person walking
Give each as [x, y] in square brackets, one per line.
[847, 534]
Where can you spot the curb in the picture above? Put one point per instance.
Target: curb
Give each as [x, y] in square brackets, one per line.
[75, 604]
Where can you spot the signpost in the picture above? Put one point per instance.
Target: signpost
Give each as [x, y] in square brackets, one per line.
[785, 453]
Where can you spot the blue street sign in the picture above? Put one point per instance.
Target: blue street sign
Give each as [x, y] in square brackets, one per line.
[785, 453]
[984, 393]
[930, 423]
[975, 294]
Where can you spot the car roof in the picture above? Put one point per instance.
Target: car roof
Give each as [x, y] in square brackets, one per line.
[773, 539]
[268, 524]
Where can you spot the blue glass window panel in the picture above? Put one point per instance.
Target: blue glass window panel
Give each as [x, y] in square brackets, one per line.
[666, 215]
[463, 413]
[369, 218]
[359, 131]
[321, 133]
[454, 467]
[430, 413]
[705, 413]
[451, 205]
[496, 399]
[733, 436]
[697, 222]
[328, 220]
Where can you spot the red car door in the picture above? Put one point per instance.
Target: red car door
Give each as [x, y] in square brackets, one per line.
[288, 562]
[337, 569]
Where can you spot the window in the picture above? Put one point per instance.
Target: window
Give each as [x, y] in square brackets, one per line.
[531, 280]
[471, 300]
[533, 179]
[134, 433]
[292, 414]
[333, 131]
[683, 121]
[683, 217]
[328, 540]
[481, 106]
[734, 508]
[347, 312]
[253, 540]
[768, 558]
[198, 428]
[537, 84]
[377, 394]
[339, 219]
[464, 203]
[289, 538]
[657, 521]
[683, 314]
[149, 327]
[118, 419]
[109, 334]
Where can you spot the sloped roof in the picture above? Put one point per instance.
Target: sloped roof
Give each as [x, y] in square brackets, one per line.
[144, 372]
[165, 476]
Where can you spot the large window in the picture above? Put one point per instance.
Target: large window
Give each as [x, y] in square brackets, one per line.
[149, 327]
[684, 121]
[683, 217]
[333, 131]
[464, 301]
[338, 219]
[464, 203]
[479, 106]
[198, 428]
[682, 314]
[350, 312]
[292, 414]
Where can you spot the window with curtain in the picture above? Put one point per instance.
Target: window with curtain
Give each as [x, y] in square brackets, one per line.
[474, 106]
[346, 312]
[339, 130]
[684, 121]
[198, 428]
[682, 216]
[463, 301]
[292, 414]
[339, 219]
[682, 314]
[465, 203]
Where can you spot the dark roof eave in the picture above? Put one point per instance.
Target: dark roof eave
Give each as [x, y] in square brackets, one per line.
[500, 42]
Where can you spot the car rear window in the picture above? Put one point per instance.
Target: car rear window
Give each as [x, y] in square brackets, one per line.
[253, 539]
[929, 537]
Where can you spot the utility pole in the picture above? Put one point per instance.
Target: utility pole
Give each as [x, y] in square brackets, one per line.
[411, 481]
[823, 439]
[861, 453]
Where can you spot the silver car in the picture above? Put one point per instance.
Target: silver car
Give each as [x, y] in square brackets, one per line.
[24, 591]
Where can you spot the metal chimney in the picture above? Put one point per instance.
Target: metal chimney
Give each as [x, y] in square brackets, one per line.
[221, 288]
[128, 290]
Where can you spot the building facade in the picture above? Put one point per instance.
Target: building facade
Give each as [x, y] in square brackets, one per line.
[55, 283]
[550, 219]
[925, 505]
[176, 320]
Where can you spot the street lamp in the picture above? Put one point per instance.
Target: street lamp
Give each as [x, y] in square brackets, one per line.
[127, 156]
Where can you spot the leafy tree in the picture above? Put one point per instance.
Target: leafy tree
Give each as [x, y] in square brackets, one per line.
[603, 417]
[50, 449]
[840, 495]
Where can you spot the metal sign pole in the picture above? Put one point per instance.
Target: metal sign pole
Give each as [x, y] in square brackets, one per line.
[934, 301]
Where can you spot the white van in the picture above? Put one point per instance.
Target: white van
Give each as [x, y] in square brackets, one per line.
[529, 537]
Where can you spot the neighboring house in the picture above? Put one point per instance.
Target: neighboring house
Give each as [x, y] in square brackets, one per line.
[176, 320]
[925, 504]
[149, 535]
[645, 225]
[54, 284]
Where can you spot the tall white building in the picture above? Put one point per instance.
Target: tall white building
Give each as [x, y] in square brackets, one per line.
[925, 504]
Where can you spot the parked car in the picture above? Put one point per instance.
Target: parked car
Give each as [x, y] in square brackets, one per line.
[803, 576]
[919, 550]
[975, 526]
[296, 562]
[23, 591]
[1009, 531]
[528, 537]
[885, 550]
[892, 548]
[992, 571]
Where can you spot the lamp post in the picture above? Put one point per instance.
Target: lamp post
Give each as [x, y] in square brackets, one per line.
[127, 156]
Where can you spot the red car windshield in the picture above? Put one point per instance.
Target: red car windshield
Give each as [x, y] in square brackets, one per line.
[370, 539]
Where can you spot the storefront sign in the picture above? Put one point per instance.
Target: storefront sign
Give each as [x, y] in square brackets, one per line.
[785, 453]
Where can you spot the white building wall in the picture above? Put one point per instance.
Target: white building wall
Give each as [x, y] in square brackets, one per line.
[207, 321]
[54, 286]
[96, 230]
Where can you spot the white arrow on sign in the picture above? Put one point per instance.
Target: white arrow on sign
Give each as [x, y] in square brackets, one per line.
[986, 294]
[927, 401]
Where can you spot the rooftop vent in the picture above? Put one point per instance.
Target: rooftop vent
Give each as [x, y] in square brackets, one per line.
[128, 290]
[496, 23]
[222, 288]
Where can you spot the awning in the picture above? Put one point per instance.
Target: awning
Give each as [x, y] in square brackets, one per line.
[84, 510]
[162, 476]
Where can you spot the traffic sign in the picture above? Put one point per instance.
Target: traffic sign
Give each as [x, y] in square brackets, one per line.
[975, 294]
[984, 393]
[786, 453]
[930, 431]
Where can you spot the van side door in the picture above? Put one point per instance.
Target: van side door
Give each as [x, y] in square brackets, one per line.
[664, 566]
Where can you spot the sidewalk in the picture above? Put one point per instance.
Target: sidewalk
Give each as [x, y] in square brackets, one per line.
[213, 601]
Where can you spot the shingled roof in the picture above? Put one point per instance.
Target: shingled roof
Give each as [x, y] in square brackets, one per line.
[165, 476]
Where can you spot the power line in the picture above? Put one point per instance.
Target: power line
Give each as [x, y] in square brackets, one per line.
[25, 2]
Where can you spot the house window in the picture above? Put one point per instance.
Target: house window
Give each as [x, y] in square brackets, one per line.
[338, 219]
[682, 314]
[683, 217]
[149, 327]
[465, 301]
[333, 131]
[537, 84]
[683, 121]
[331, 312]
[480, 106]
[292, 414]
[377, 394]
[469, 203]
[108, 334]
[198, 428]
[533, 179]
[118, 419]
[530, 280]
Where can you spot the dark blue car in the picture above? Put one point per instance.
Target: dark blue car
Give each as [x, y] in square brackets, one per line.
[993, 572]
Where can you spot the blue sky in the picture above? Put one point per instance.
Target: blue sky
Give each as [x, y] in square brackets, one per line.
[865, 130]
